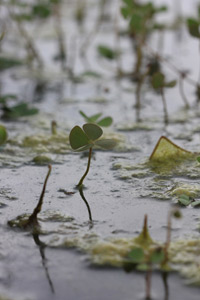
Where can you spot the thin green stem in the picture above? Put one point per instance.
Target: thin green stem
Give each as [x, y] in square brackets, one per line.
[87, 170]
[86, 203]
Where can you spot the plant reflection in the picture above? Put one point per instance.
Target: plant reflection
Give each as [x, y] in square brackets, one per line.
[42, 247]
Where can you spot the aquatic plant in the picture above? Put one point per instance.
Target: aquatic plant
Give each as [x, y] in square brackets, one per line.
[88, 138]
[193, 29]
[32, 221]
[22, 109]
[141, 17]
[96, 118]
[159, 84]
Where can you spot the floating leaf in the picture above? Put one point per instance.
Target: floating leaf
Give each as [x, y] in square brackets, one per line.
[195, 203]
[78, 138]
[184, 200]
[93, 131]
[3, 135]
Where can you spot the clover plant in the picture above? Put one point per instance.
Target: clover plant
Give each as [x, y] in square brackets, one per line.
[104, 122]
[86, 138]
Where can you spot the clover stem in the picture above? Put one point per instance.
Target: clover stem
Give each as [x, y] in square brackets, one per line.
[87, 170]
[86, 203]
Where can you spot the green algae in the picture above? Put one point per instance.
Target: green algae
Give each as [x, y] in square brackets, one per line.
[43, 143]
[42, 160]
[190, 190]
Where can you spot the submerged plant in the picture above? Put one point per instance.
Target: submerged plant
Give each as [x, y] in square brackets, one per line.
[87, 138]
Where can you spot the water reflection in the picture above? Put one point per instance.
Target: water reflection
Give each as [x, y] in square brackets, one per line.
[42, 247]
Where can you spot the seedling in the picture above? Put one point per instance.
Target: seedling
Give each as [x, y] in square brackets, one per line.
[86, 138]
[104, 122]
[32, 222]
[159, 84]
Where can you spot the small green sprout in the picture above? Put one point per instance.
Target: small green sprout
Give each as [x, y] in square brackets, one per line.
[86, 138]
[104, 122]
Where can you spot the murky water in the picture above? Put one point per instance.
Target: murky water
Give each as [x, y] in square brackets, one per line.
[121, 186]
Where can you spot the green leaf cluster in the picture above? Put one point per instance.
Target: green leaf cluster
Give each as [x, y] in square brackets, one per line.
[140, 16]
[41, 9]
[185, 200]
[20, 110]
[88, 137]
[104, 122]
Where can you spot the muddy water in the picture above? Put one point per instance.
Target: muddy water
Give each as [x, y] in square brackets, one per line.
[121, 186]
